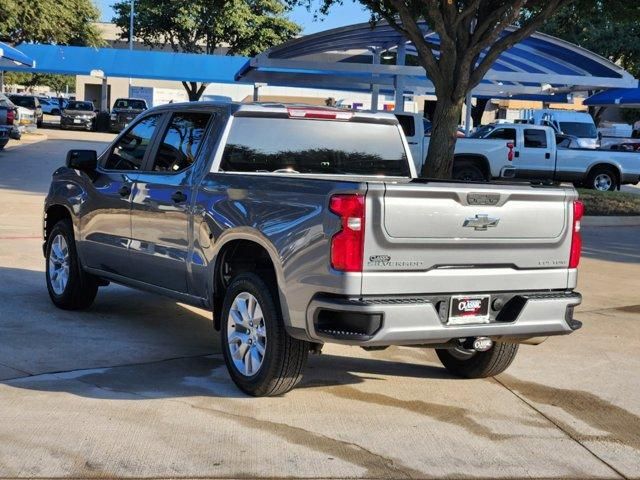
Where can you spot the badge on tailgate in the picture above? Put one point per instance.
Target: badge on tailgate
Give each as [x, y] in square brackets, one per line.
[481, 222]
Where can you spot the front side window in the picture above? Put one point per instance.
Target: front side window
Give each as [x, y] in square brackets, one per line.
[314, 146]
[128, 153]
[535, 138]
[180, 144]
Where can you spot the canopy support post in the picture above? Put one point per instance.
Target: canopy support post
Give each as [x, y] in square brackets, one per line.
[468, 107]
[375, 87]
[401, 56]
[104, 95]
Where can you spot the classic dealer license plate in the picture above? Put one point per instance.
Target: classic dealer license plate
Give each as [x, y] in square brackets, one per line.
[465, 310]
[76, 120]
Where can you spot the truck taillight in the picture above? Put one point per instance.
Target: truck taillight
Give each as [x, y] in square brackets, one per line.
[576, 239]
[11, 116]
[347, 246]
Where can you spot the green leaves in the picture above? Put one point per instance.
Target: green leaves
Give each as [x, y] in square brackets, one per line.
[67, 22]
[239, 27]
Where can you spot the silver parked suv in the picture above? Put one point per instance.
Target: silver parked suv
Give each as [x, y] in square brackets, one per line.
[298, 226]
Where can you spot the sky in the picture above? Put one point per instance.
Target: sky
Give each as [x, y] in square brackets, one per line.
[339, 16]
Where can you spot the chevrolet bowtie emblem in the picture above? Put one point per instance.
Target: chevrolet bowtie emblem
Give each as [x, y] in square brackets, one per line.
[480, 222]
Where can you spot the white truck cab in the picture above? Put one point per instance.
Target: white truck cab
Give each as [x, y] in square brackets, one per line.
[577, 124]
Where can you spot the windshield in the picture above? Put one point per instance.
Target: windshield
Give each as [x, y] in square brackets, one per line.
[483, 131]
[130, 104]
[84, 106]
[579, 129]
[26, 102]
[314, 146]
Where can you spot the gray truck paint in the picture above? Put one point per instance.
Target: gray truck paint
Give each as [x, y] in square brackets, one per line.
[145, 241]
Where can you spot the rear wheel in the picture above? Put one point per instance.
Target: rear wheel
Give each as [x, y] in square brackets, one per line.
[70, 287]
[602, 179]
[471, 364]
[262, 359]
[468, 172]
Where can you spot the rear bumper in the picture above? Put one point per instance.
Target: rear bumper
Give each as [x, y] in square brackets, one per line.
[384, 321]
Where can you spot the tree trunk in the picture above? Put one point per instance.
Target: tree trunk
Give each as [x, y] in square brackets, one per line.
[194, 91]
[446, 118]
[478, 111]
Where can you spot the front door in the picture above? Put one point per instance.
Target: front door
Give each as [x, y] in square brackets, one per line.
[161, 203]
[106, 229]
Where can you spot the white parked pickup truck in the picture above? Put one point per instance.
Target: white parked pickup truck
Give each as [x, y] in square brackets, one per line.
[526, 151]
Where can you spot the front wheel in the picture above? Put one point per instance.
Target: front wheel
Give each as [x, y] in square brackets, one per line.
[471, 364]
[468, 172]
[70, 287]
[262, 359]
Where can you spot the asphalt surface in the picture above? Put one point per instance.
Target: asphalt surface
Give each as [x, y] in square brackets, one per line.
[135, 386]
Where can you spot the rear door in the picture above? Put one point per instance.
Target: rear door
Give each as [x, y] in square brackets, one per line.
[162, 199]
[106, 230]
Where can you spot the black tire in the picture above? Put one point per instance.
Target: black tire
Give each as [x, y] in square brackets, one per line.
[468, 172]
[39, 123]
[284, 357]
[472, 364]
[81, 288]
[603, 179]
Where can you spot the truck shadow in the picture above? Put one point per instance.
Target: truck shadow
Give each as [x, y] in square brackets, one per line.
[614, 244]
[133, 345]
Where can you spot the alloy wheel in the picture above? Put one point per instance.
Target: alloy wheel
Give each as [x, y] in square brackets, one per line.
[59, 264]
[602, 182]
[246, 334]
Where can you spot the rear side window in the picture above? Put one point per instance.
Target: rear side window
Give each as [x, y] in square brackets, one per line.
[26, 102]
[128, 153]
[508, 134]
[181, 141]
[407, 124]
[314, 146]
[535, 138]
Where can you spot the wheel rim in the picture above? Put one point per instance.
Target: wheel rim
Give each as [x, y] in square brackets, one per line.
[246, 334]
[602, 182]
[59, 261]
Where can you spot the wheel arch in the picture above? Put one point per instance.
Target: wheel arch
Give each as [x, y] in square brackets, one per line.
[245, 251]
[52, 215]
[604, 165]
[476, 159]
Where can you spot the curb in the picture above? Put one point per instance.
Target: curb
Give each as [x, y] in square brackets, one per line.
[611, 221]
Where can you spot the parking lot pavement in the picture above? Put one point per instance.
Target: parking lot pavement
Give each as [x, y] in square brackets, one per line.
[135, 386]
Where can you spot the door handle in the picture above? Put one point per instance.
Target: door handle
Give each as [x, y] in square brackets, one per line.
[124, 190]
[178, 197]
[413, 143]
[547, 155]
[517, 154]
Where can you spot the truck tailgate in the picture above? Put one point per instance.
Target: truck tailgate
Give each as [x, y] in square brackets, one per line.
[467, 231]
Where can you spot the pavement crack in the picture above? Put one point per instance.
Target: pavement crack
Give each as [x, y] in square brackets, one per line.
[560, 427]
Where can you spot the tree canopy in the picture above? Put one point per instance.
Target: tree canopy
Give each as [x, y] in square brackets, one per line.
[610, 28]
[66, 22]
[240, 27]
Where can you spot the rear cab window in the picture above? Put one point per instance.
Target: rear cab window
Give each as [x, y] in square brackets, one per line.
[311, 146]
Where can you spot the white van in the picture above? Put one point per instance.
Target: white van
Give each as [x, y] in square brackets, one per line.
[577, 124]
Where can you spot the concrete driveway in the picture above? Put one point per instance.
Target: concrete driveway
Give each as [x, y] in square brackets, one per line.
[135, 387]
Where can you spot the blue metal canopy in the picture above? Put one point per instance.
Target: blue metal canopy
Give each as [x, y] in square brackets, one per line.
[349, 58]
[623, 97]
[11, 57]
[114, 62]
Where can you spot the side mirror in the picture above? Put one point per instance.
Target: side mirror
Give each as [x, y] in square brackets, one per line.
[83, 160]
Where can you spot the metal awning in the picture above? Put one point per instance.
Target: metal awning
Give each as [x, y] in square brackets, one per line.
[115, 62]
[12, 57]
[621, 97]
[349, 58]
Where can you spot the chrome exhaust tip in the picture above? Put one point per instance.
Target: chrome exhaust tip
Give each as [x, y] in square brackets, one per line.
[482, 344]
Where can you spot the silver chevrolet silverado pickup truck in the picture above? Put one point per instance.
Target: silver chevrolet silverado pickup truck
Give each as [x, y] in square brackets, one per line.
[297, 226]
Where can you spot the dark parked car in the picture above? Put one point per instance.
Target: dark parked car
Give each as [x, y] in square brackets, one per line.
[78, 115]
[124, 111]
[31, 102]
